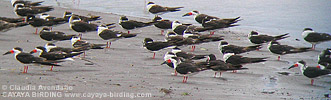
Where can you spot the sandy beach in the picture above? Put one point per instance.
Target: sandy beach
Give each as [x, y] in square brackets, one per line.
[127, 70]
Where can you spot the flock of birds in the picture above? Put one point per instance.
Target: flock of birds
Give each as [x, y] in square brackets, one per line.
[181, 34]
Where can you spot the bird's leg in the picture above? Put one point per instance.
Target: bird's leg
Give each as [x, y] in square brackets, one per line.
[175, 73]
[278, 58]
[183, 79]
[186, 79]
[313, 46]
[162, 31]
[312, 81]
[80, 35]
[220, 74]
[24, 69]
[84, 54]
[234, 71]
[36, 31]
[212, 33]
[128, 32]
[51, 68]
[154, 55]
[193, 48]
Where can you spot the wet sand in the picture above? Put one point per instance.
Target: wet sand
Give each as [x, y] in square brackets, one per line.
[129, 68]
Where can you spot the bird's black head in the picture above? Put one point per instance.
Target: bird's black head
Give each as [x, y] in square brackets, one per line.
[274, 43]
[148, 40]
[124, 18]
[157, 18]
[211, 57]
[18, 48]
[254, 33]
[302, 62]
[195, 11]
[41, 48]
[224, 43]
[150, 3]
[308, 29]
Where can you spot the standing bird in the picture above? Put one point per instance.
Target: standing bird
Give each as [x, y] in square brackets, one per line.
[212, 24]
[324, 58]
[154, 46]
[199, 17]
[48, 35]
[76, 24]
[132, 24]
[38, 22]
[276, 48]
[230, 57]
[107, 34]
[5, 26]
[255, 38]
[221, 66]
[186, 68]
[26, 3]
[314, 37]
[27, 58]
[22, 10]
[310, 72]
[159, 10]
[162, 24]
[225, 46]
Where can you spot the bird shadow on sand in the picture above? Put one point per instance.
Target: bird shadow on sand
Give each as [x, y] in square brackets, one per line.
[220, 78]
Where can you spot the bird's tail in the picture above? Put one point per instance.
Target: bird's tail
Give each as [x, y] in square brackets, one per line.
[257, 60]
[173, 9]
[298, 50]
[283, 36]
[251, 48]
[36, 3]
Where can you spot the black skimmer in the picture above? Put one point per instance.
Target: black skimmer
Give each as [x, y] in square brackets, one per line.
[27, 58]
[212, 24]
[154, 46]
[192, 38]
[38, 22]
[57, 55]
[159, 10]
[26, 3]
[76, 24]
[255, 38]
[310, 72]
[77, 42]
[12, 20]
[276, 48]
[132, 24]
[87, 18]
[221, 66]
[199, 17]
[324, 58]
[5, 26]
[225, 46]
[179, 53]
[230, 57]
[178, 27]
[162, 24]
[22, 11]
[166, 57]
[54, 55]
[186, 68]
[172, 36]
[107, 34]
[48, 35]
[50, 47]
[314, 37]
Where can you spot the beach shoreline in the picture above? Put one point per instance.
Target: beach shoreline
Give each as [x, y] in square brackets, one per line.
[128, 68]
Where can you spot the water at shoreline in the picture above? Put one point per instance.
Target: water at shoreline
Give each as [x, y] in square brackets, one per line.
[266, 16]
